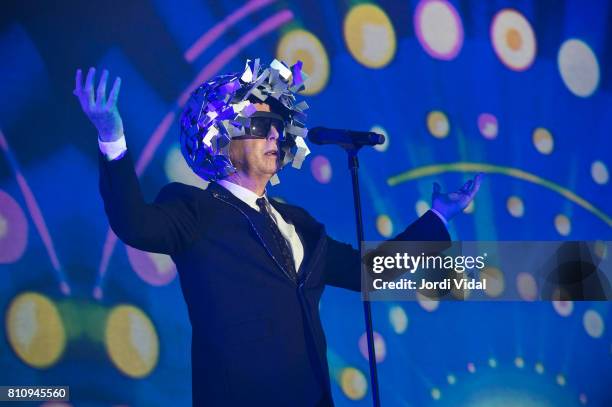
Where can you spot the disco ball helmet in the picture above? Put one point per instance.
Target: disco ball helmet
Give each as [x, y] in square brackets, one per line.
[219, 110]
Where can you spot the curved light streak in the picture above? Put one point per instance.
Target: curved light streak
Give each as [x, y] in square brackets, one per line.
[36, 214]
[266, 26]
[461, 166]
[219, 29]
[269, 24]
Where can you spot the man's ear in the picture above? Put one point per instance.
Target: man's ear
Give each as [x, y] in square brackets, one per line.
[235, 154]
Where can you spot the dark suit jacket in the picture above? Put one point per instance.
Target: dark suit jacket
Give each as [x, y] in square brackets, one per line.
[257, 337]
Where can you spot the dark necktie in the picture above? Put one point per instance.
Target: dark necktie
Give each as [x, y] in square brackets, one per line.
[281, 242]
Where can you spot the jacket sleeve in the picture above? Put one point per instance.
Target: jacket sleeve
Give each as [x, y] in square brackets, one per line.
[343, 262]
[165, 226]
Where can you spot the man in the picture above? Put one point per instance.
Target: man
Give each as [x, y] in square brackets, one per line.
[251, 270]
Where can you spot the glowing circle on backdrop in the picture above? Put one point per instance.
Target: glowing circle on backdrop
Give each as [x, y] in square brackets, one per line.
[563, 308]
[563, 225]
[421, 207]
[599, 172]
[539, 368]
[492, 363]
[13, 229]
[593, 323]
[380, 130]
[154, 268]
[380, 347]
[398, 319]
[513, 39]
[471, 367]
[601, 249]
[578, 67]
[321, 169]
[427, 303]
[131, 341]
[435, 393]
[438, 28]
[462, 293]
[515, 206]
[487, 124]
[369, 35]
[543, 140]
[384, 226]
[177, 170]
[519, 362]
[560, 379]
[527, 286]
[495, 281]
[35, 330]
[451, 379]
[353, 383]
[302, 45]
[437, 124]
[583, 399]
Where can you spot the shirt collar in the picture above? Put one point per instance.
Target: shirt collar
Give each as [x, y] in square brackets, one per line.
[245, 195]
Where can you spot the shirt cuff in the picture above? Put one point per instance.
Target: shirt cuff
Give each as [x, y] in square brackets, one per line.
[440, 216]
[113, 150]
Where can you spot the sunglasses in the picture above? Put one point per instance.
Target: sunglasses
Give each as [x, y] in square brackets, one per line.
[261, 122]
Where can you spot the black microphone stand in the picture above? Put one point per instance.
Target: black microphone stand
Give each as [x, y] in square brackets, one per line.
[353, 164]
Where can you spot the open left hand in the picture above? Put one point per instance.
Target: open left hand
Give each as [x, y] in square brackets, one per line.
[450, 204]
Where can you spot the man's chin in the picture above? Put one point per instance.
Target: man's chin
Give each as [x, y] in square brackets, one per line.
[272, 173]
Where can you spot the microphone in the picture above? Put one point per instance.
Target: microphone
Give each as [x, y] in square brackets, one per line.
[344, 138]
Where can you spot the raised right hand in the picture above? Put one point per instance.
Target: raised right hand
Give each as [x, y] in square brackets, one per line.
[101, 112]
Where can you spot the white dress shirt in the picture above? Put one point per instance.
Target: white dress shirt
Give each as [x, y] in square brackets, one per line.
[287, 229]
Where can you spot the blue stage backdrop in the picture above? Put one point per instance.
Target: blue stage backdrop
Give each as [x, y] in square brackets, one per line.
[520, 90]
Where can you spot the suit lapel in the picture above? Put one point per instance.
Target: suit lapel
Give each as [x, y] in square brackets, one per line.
[257, 222]
[312, 234]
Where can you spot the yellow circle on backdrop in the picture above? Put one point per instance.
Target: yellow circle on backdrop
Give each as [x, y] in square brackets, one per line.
[599, 172]
[302, 45]
[495, 281]
[427, 302]
[460, 293]
[513, 39]
[563, 225]
[593, 323]
[601, 249]
[353, 383]
[398, 319]
[131, 341]
[578, 67]
[384, 225]
[437, 124]
[35, 330]
[421, 207]
[369, 35]
[515, 206]
[560, 379]
[435, 393]
[543, 141]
